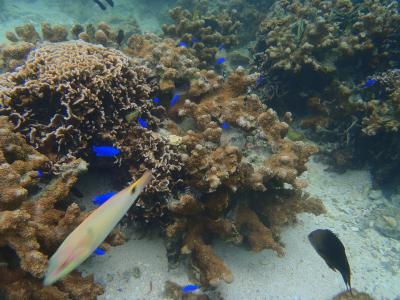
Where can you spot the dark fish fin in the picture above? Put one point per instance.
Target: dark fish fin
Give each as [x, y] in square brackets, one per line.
[101, 5]
[110, 2]
[346, 279]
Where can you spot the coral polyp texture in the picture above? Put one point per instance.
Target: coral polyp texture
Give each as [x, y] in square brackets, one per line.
[71, 95]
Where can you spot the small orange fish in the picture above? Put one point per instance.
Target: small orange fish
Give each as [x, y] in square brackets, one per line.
[331, 249]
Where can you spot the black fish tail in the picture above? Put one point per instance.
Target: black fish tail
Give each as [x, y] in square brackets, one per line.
[110, 2]
[101, 5]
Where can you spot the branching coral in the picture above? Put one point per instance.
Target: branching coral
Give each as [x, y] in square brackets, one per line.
[171, 64]
[208, 150]
[30, 225]
[204, 31]
[253, 155]
[326, 55]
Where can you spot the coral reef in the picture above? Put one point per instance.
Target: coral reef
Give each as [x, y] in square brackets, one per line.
[251, 155]
[30, 225]
[222, 164]
[202, 30]
[174, 66]
[325, 56]
[68, 118]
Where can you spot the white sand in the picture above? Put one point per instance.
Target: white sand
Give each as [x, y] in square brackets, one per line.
[301, 274]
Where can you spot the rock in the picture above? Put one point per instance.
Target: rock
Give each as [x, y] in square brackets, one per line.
[390, 220]
[375, 194]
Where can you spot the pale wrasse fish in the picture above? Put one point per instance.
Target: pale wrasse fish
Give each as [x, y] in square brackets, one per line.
[85, 239]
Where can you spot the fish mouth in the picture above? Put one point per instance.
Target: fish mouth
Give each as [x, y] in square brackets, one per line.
[142, 181]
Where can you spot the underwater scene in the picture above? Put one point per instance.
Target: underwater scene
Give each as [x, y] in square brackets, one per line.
[200, 149]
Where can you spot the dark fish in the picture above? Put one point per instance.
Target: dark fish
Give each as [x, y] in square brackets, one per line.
[331, 249]
[101, 5]
[110, 2]
[120, 37]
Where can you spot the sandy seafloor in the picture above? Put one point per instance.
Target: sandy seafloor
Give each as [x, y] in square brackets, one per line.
[300, 274]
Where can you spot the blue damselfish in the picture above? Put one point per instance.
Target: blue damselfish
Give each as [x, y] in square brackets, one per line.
[105, 151]
[100, 199]
[190, 288]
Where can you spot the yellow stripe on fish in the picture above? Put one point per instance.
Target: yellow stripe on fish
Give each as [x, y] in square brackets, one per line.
[78, 246]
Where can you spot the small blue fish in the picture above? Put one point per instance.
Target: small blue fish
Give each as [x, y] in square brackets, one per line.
[99, 251]
[221, 46]
[225, 125]
[220, 61]
[190, 288]
[182, 44]
[156, 100]
[369, 82]
[39, 173]
[195, 40]
[100, 199]
[105, 151]
[260, 80]
[175, 99]
[143, 123]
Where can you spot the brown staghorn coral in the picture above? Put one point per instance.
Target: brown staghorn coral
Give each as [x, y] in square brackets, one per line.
[204, 30]
[222, 162]
[30, 225]
[330, 54]
[171, 64]
[105, 34]
[13, 55]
